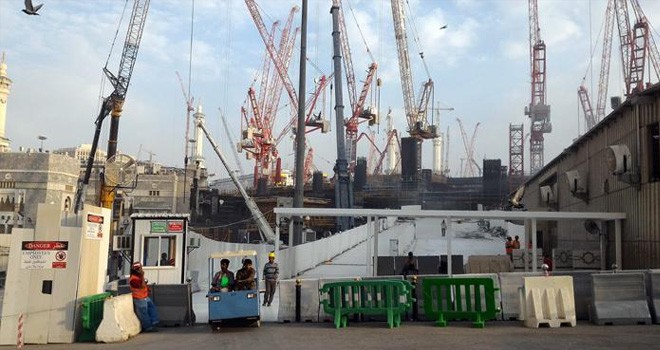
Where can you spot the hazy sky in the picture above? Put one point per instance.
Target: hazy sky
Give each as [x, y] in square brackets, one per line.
[480, 65]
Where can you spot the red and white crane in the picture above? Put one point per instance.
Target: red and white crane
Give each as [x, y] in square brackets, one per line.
[537, 110]
[358, 113]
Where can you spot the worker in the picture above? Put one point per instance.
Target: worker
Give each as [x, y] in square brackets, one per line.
[508, 247]
[223, 280]
[271, 274]
[443, 228]
[144, 307]
[516, 242]
[410, 266]
[245, 277]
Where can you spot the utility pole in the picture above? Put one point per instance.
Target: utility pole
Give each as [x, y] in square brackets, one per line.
[300, 132]
[343, 190]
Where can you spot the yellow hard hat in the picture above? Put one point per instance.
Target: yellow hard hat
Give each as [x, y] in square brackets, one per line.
[271, 255]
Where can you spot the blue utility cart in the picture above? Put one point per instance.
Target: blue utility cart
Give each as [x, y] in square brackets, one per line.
[240, 307]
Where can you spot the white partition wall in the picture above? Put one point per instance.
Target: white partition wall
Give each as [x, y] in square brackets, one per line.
[50, 267]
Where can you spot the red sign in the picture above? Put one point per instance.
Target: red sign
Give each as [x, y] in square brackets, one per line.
[175, 226]
[97, 219]
[45, 245]
[59, 264]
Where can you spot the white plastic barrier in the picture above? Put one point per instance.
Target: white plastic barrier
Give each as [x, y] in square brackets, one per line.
[119, 320]
[549, 300]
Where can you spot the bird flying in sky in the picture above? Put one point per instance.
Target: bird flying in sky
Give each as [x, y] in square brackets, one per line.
[31, 9]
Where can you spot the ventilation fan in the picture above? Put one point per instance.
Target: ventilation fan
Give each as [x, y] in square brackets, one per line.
[120, 170]
[592, 227]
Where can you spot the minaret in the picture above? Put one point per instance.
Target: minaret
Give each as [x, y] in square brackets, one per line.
[199, 138]
[5, 85]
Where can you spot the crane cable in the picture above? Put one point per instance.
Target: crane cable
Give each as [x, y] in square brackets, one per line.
[416, 39]
[107, 60]
[364, 41]
[121, 19]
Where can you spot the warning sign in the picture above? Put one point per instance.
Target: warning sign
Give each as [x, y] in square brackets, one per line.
[94, 229]
[175, 226]
[44, 255]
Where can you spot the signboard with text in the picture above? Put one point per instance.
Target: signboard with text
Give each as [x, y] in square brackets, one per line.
[94, 229]
[44, 255]
[170, 226]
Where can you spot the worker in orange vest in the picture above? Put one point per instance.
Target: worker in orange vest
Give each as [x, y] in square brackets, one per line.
[144, 307]
[508, 246]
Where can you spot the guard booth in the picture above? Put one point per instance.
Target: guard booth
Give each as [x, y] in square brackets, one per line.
[159, 243]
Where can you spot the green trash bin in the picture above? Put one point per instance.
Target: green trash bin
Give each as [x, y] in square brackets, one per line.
[91, 315]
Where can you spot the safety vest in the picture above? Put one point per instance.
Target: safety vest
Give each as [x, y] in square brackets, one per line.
[509, 247]
[139, 292]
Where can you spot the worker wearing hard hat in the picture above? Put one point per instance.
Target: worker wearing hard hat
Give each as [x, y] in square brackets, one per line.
[271, 274]
[144, 307]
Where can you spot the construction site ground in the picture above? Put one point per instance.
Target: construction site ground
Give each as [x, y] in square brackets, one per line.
[376, 335]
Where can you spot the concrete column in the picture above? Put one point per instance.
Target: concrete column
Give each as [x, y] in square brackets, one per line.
[449, 251]
[534, 267]
[617, 243]
[375, 231]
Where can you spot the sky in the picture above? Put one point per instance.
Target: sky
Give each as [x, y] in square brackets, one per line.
[479, 64]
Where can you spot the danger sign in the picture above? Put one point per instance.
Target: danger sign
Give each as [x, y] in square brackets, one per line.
[44, 255]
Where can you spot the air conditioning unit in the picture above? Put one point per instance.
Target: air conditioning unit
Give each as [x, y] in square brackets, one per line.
[576, 184]
[547, 195]
[618, 159]
[122, 243]
[194, 242]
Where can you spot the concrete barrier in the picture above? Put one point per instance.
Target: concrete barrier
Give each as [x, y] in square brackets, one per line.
[549, 301]
[309, 300]
[174, 304]
[119, 320]
[619, 299]
[654, 277]
[510, 282]
[586, 259]
[488, 264]
[520, 257]
[581, 291]
[562, 259]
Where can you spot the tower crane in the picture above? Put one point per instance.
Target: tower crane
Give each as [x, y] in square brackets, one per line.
[469, 169]
[358, 113]
[416, 114]
[636, 46]
[114, 103]
[537, 110]
[189, 108]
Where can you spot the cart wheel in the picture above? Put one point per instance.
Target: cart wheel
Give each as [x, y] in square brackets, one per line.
[257, 324]
[215, 328]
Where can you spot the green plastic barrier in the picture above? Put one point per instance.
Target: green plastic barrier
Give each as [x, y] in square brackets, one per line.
[91, 316]
[460, 299]
[372, 297]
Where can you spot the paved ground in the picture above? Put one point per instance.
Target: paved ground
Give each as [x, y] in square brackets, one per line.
[376, 335]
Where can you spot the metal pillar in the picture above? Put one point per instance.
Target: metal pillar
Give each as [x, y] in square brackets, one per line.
[373, 229]
[534, 267]
[300, 132]
[617, 243]
[449, 251]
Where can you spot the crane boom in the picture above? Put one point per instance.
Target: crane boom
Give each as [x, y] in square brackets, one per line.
[538, 110]
[405, 70]
[604, 77]
[274, 55]
[266, 231]
[114, 103]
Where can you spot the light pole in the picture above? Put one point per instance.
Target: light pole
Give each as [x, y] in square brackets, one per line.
[41, 138]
